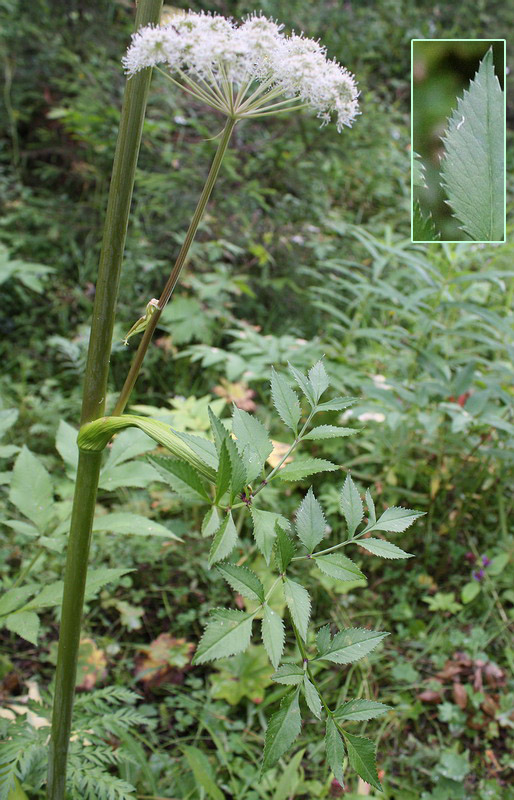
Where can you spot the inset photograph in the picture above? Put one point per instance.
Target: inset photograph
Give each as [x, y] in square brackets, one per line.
[458, 140]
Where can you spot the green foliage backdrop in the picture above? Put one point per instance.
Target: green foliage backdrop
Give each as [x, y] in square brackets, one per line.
[304, 252]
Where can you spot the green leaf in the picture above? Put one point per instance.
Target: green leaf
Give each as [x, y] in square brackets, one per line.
[289, 674]
[395, 519]
[361, 754]
[379, 547]
[351, 645]
[224, 473]
[323, 639]
[360, 710]
[15, 598]
[304, 383]
[312, 697]
[423, 228]
[51, 595]
[225, 539]
[252, 441]
[31, 489]
[337, 404]
[304, 467]
[372, 515]
[181, 476]
[334, 748]
[202, 771]
[25, 624]
[264, 530]
[469, 591]
[219, 432]
[338, 566]
[23, 528]
[329, 432]
[318, 379]
[310, 521]
[299, 604]
[207, 458]
[242, 580]
[8, 417]
[473, 167]
[285, 401]
[124, 522]
[211, 522]
[283, 728]
[120, 476]
[351, 505]
[273, 635]
[284, 549]
[66, 444]
[228, 632]
[418, 172]
[98, 578]
[238, 480]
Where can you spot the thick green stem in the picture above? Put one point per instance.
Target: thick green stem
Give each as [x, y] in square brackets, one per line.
[74, 586]
[177, 269]
[95, 388]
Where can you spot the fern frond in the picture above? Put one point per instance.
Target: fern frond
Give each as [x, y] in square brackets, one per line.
[86, 782]
[22, 751]
[103, 699]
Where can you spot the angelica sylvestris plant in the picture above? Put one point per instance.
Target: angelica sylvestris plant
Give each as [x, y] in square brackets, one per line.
[241, 71]
[473, 163]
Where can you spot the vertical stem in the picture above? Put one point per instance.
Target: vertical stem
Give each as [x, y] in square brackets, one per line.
[177, 269]
[95, 386]
[73, 599]
[115, 230]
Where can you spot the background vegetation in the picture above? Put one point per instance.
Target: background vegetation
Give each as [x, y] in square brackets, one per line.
[305, 251]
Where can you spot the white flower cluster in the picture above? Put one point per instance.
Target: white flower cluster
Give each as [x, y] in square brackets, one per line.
[246, 70]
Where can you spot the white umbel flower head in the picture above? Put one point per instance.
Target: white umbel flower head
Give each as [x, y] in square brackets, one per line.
[247, 70]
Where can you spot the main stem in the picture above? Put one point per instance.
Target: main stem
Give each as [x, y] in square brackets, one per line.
[177, 269]
[95, 389]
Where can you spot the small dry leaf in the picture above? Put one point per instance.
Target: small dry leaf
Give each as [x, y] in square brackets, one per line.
[278, 453]
[164, 660]
[430, 696]
[460, 696]
[238, 393]
[92, 664]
